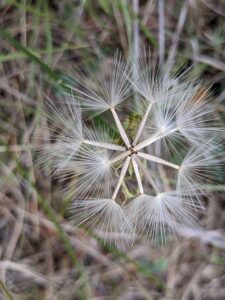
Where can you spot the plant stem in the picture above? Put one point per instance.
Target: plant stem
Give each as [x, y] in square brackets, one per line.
[14, 148]
[136, 44]
[161, 32]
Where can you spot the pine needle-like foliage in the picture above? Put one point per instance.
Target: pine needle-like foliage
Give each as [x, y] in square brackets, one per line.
[147, 184]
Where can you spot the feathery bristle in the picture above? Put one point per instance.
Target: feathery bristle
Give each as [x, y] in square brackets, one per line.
[106, 89]
[154, 217]
[91, 172]
[104, 216]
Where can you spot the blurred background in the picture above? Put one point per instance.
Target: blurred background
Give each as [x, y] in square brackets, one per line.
[41, 255]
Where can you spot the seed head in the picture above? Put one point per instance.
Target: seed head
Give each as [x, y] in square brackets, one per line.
[124, 187]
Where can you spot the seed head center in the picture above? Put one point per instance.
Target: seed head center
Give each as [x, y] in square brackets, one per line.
[132, 151]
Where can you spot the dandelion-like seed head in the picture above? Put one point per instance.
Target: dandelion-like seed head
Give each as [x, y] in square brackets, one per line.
[145, 185]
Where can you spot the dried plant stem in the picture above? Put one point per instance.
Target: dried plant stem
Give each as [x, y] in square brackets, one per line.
[33, 205]
[157, 160]
[142, 124]
[180, 25]
[136, 33]
[121, 178]
[161, 32]
[136, 42]
[120, 128]
[14, 148]
[19, 267]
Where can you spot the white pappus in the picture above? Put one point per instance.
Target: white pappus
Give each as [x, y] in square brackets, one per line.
[134, 169]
